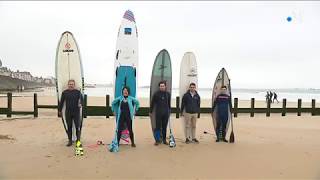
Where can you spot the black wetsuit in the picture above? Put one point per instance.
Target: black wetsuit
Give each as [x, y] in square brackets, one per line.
[161, 100]
[72, 113]
[125, 121]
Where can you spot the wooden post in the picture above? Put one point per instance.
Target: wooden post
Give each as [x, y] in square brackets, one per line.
[313, 109]
[252, 108]
[9, 112]
[107, 105]
[177, 107]
[268, 109]
[299, 107]
[85, 103]
[284, 107]
[235, 111]
[35, 105]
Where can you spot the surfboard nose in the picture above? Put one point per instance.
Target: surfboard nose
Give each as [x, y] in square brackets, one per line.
[67, 32]
[129, 16]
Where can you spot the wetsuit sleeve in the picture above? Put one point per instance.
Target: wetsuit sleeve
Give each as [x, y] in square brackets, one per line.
[61, 102]
[215, 103]
[230, 103]
[153, 101]
[199, 102]
[169, 101]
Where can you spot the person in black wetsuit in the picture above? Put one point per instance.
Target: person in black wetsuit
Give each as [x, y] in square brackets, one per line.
[124, 108]
[73, 101]
[223, 103]
[161, 101]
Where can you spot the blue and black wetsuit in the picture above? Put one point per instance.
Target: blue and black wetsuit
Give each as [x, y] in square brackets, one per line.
[223, 103]
[72, 98]
[125, 120]
[161, 100]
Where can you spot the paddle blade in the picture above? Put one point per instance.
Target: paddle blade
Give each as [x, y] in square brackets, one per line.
[172, 142]
[231, 140]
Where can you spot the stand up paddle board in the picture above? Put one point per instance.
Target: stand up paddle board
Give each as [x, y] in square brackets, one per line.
[188, 74]
[126, 61]
[221, 80]
[68, 66]
[161, 71]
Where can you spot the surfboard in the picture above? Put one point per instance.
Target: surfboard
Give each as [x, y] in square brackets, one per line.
[221, 80]
[161, 71]
[188, 74]
[126, 61]
[68, 66]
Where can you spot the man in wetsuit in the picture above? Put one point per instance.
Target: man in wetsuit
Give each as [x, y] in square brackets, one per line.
[73, 102]
[161, 100]
[223, 104]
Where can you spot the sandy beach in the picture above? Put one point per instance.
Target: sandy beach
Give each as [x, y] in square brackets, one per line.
[268, 148]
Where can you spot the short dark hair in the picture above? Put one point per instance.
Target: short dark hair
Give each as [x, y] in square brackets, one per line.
[71, 80]
[192, 84]
[127, 88]
[163, 82]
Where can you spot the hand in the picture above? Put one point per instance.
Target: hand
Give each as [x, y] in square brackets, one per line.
[59, 113]
[79, 105]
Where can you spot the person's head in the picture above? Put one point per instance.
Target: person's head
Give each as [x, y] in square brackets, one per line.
[71, 84]
[192, 87]
[223, 89]
[162, 85]
[125, 91]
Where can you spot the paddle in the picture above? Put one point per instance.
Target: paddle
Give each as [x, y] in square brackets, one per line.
[231, 139]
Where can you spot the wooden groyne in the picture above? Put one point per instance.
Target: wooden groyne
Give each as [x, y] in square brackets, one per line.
[144, 111]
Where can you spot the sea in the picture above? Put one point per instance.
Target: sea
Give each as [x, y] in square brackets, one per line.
[292, 95]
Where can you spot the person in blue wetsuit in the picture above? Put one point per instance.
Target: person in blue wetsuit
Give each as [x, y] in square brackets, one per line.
[124, 107]
[223, 103]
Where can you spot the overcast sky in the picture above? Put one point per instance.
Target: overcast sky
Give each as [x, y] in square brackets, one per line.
[253, 40]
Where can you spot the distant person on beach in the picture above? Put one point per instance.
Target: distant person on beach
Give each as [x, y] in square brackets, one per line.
[267, 97]
[161, 100]
[73, 101]
[270, 96]
[191, 105]
[124, 108]
[223, 103]
[275, 97]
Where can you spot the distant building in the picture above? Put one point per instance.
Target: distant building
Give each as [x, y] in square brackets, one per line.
[4, 71]
[24, 75]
